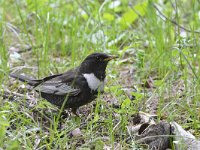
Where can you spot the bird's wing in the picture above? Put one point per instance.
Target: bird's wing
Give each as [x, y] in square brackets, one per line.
[64, 84]
[58, 88]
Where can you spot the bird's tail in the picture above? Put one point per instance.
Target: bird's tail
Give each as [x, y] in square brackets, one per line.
[26, 79]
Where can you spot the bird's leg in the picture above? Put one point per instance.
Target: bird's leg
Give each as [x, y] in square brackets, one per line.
[63, 115]
[74, 111]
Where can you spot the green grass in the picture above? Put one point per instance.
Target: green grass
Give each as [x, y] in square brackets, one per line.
[62, 33]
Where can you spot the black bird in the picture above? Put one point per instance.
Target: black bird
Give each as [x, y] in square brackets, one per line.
[75, 87]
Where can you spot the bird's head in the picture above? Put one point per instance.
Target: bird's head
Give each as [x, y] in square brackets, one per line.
[96, 63]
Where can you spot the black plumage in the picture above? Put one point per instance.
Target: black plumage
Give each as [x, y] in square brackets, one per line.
[74, 87]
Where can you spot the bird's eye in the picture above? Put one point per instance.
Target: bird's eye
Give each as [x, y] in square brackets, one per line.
[99, 59]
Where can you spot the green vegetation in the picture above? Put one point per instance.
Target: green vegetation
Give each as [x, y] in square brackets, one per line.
[158, 64]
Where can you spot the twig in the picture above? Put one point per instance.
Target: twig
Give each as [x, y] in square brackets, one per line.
[29, 48]
[172, 21]
[81, 6]
[3, 93]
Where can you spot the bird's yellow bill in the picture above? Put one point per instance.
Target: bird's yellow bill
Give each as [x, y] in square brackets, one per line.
[110, 58]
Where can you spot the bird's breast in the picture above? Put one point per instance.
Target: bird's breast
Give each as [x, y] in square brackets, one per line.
[93, 82]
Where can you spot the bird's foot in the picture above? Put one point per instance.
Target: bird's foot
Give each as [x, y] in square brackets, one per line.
[74, 111]
[64, 115]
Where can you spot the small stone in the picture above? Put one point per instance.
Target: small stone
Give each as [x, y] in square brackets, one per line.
[76, 132]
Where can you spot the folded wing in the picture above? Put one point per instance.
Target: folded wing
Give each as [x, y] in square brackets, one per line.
[57, 88]
[62, 85]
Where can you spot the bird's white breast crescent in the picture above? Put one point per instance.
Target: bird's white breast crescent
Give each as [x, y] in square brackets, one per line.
[93, 82]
